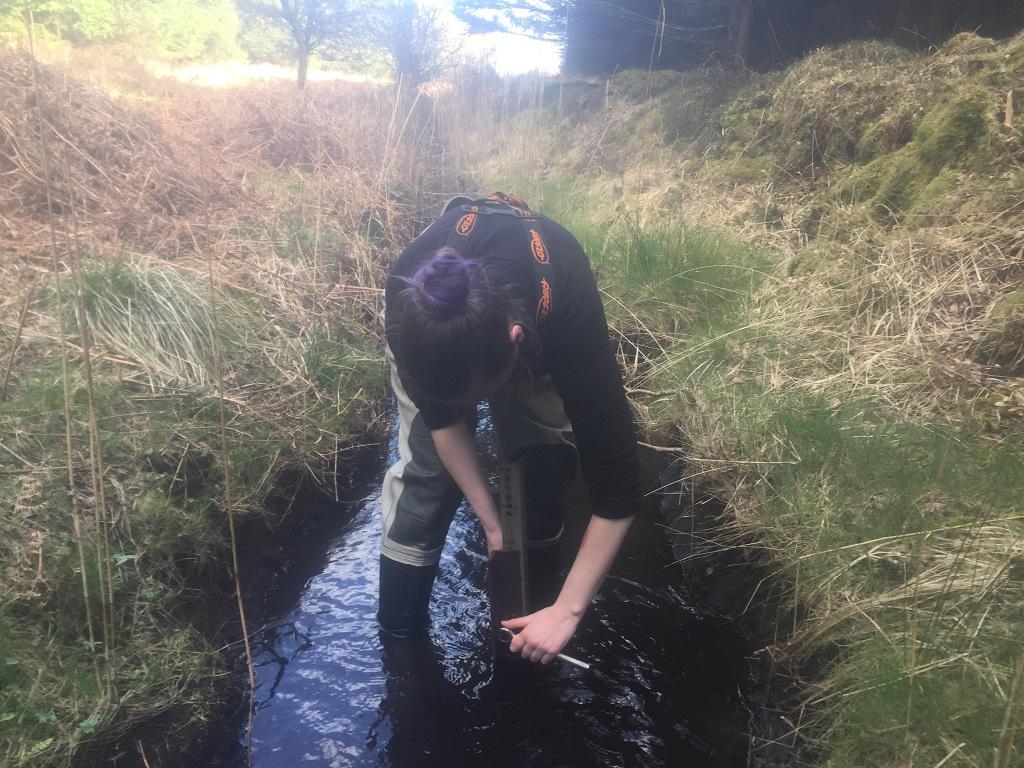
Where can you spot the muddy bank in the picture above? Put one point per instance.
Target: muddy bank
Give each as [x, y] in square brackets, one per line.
[734, 581]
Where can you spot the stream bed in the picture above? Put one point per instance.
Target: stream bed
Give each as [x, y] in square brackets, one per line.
[666, 686]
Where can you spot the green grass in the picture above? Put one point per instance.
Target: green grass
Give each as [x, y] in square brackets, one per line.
[351, 363]
[157, 316]
[900, 539]
[158, 420]
[52, 702]
[675, 273]
[897, 535]
[51, 705]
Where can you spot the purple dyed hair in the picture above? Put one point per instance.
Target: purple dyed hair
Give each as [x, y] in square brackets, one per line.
[443, 280]
[454, 326]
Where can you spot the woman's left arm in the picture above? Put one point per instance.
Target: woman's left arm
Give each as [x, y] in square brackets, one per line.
[544, 633]
[579, 356]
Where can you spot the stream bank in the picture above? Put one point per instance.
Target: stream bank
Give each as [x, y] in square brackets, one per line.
[829, 257]
[734, 580]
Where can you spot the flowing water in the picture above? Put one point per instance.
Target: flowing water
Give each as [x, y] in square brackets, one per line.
[664, 688]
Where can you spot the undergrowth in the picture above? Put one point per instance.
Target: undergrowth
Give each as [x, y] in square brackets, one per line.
[810, 288]
[200, 299]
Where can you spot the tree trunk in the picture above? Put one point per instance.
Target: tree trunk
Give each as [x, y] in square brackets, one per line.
[303, 68]
[740, 22]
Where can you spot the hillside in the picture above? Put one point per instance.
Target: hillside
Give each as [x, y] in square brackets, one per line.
[816, 277]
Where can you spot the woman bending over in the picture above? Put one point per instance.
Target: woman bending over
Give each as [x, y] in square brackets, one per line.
[493, 301]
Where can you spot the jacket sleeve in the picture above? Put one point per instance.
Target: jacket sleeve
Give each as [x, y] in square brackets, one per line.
[579, 355]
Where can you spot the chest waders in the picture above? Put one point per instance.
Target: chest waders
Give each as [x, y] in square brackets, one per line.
[417, 487]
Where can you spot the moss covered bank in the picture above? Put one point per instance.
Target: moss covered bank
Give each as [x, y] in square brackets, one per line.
[814, 279]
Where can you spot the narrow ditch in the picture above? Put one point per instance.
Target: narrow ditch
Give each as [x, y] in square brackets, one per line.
[670, 683]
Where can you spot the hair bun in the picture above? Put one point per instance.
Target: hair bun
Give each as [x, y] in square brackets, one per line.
[443, 281]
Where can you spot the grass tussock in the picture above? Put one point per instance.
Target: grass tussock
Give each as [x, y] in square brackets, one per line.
[158, 317]
[205, 268]
[816, 285]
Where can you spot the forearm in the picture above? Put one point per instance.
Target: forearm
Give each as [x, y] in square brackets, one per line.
[458, 453]
[601, 543]
[546, 632]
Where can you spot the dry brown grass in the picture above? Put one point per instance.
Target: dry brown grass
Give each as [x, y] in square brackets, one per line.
[144, 176]
[860, 418]
[296, 204]
[129, 182]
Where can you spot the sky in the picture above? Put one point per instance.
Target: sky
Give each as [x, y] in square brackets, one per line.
[509, 54]
[515, 54]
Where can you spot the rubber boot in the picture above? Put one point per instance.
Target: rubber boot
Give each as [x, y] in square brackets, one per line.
[404, 598]
[548, 471]
[545, 577]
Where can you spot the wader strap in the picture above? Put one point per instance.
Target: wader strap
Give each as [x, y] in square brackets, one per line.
[501, 204]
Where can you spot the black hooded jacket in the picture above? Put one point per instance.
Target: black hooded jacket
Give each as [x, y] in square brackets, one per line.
[545, 268]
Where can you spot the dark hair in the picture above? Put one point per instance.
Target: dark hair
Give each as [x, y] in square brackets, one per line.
[454, 325]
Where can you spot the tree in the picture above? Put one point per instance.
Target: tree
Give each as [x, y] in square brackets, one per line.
[264, 41]
[185, 29]
[540, 19]
[740, 20]
[415, 37]
[604, 36]
[87, 21]
[311, 24]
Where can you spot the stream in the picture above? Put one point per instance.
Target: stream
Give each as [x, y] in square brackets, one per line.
[665, 688]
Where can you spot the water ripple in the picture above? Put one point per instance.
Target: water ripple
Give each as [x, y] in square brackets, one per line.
[662, 691]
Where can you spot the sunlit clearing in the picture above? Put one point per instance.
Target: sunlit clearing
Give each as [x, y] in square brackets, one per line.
[514, 54]
[230, 74]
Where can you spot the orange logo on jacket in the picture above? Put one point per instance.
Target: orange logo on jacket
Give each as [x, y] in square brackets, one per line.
[466, 224]
[540, 253]
[544, 304]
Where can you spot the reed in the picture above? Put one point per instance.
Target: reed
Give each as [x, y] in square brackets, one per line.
[225, 459]
[55, 272]
[17, 340]
[96, 465]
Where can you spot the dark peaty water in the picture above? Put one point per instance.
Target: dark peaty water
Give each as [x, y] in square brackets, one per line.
[664, 689]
